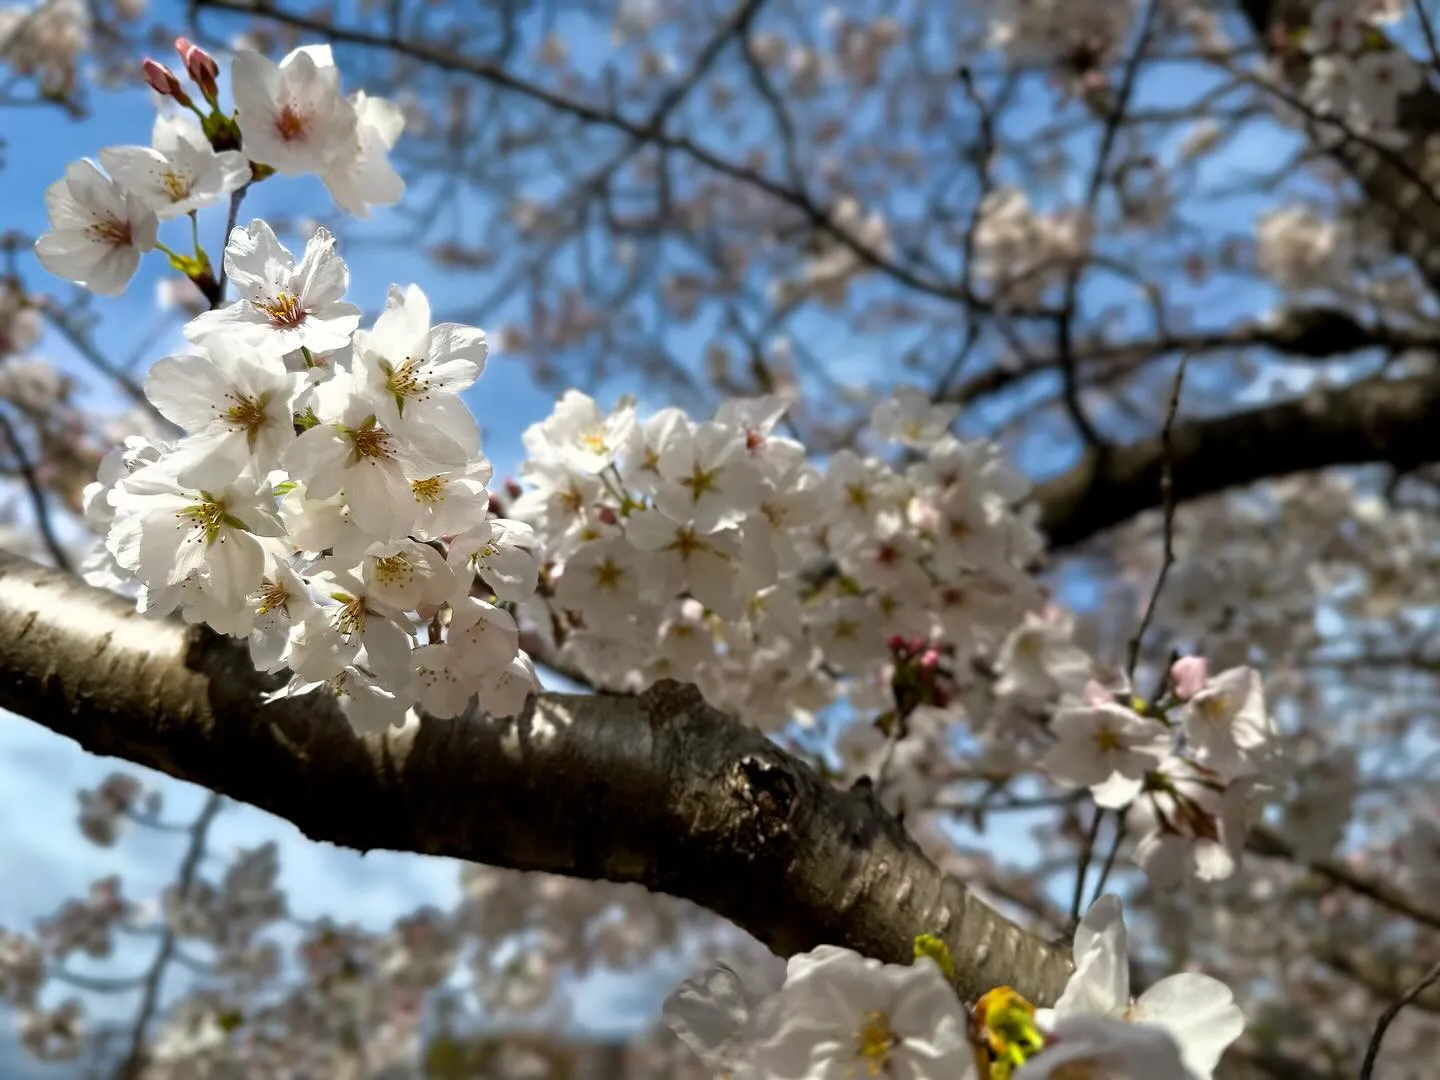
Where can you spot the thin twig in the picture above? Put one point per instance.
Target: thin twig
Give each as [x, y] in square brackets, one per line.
[1430, 978]
[1082, 871]
[1167, 496]
[1065, 326]
[236, 198]
[129, 1069]
[1110, 856]
[98, 360]
[590, 114]
[39, 504]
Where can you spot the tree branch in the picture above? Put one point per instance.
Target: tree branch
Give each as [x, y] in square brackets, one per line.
[659, 790]
[1392, 421]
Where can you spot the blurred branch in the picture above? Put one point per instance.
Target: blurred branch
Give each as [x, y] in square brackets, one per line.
[130, 1068]
[1069, 363]
[648, 131]
[99, 361]
[1390, 421]
[1372, 1052]
[658, 789]
[39, 504]
[1266, 842]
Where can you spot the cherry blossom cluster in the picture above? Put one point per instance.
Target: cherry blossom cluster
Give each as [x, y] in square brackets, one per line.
[290, 118]
[834, 1012]
[44, 41]
[1021, 252]
[1356, 76]
[1053, 32]
[327, 499]
[713, 552]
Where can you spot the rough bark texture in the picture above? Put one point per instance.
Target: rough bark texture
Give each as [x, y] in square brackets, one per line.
[659, 789]
[1392, 421]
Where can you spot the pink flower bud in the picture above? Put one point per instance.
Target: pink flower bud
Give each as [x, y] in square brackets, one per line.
[496, 506]
[1188, 676]
[608, 516]
[929, 660]
[161, 78]
[896, 644]
[201, 66]
[513, 489]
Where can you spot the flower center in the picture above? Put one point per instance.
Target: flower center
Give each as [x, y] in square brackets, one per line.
[700, 482]
[1076, 1070]
[607, 574]
[111, 231]
[404, 381]
[284, 310]
[273, 597]
[1107, 740]
[350, 619]
[207, 518]
[393, 570]
[290, 124]
[176, 186]
[875, 1042]
[594, 441]
[429, 490]
[370, 440]
[247, 414]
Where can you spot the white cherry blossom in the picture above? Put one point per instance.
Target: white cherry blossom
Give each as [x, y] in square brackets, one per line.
[359, 174]
[284, 307]
[98, 230]
[841, 1015]
[292, 116]
[235, 406]
[1091, 1046]
[1106, 747]
[414, 372]
[180, 171]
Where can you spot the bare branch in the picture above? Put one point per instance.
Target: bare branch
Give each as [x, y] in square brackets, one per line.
[1380, 421]
[1367, 1067]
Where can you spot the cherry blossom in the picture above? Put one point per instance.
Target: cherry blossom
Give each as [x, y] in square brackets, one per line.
[180, 171]
[98, 230]
[285, 307]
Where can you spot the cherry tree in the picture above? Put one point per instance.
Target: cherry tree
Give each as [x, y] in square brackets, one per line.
[1005, 411]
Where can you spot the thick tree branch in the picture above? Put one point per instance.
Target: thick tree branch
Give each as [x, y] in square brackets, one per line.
[660, 790]
[1391, 421]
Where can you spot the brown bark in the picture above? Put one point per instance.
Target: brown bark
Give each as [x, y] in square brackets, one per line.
[660, 789]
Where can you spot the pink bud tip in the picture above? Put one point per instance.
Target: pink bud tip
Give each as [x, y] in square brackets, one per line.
[608, 515]
[1187, 676]
[896, 643]
[513, 489]
[200, 65]
[161, 78]
[930, 659]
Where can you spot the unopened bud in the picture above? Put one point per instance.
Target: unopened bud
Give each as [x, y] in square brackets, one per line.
[896, 644]
[608, 516]
[1188, 676]
[929, 660]
[513, 489]
[496, 506]
[163, 80]
[201, 66]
